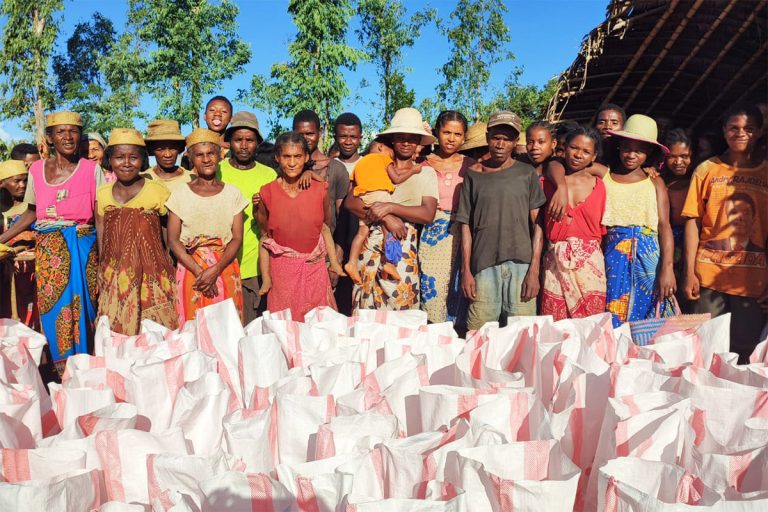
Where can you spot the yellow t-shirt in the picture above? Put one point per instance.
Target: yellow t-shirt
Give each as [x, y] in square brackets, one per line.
[733, 207]
[170, 183]
[370, 174]
[206, 217]
[152, 196]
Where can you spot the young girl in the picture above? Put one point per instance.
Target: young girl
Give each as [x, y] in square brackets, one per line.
[540, 144]
[205, 231]
[574, 268]
[375, 178]
[292, 256]
[639, 268]
[677, 175]
[135, 272]
[17, 257]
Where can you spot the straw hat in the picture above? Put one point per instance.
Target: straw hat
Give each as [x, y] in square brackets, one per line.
[200, 135]
[506, 118]
[12, 168]
[243, 120]
[125, 136]
[97, 137]
[409, 120]
[475, 137]
[64, 117]
[642, 128]
[521, 141]
[163, 129]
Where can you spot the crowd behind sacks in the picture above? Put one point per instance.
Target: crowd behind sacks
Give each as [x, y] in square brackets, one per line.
[384, 412]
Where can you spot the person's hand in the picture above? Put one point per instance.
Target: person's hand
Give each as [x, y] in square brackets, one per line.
[256, 199]
[305, 180]
[378, 211]
[558, 204]
[530, 288]
[266, 285]
[206, 282]
[667, 284]
[763, 299]
[395, 226]
[692, 286]
[468, 285]
[652, 172]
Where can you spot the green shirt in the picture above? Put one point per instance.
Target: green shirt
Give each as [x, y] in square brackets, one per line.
[249, 182]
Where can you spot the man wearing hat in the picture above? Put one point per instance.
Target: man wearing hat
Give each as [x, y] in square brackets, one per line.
[243, 171]
[501, 240]
[165, 142]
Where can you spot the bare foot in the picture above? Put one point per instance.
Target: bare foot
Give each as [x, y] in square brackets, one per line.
[266, 285]
[336, 269]
[390, 270]
[352, 272]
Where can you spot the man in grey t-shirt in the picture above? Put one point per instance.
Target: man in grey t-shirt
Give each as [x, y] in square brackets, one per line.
[501, 238]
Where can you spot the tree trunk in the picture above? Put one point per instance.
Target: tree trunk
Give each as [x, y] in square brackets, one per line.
[38, 25]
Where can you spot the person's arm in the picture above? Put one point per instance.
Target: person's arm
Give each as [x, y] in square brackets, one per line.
[467, 279]
[667, 285]
[305, 180]
[99, 228]
[21, 225]
[262, 217]
[422, 214]
[531, 284]
[692, 282]
[558, 203]
[397, 177]
[207, 278]
[355, 206]
[177, 248]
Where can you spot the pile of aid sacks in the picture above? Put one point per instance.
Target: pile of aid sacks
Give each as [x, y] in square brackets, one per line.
[382, 412]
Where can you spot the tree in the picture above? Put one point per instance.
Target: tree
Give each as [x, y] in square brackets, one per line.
[194, 46]
[99, 75]
[527, 101]
[384, 33]
[477, 42]
[27, 44]
[312, 78]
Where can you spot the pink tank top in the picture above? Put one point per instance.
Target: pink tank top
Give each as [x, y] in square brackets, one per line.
[73, 200]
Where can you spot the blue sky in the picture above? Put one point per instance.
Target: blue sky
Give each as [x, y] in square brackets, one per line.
[546, 35]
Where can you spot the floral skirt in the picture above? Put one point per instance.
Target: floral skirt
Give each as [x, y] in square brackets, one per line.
[632, 256]
[574, 279]
[136, 275]
[297, 284]
[377, 291]
[440, 265]
[207, 252]
[66, 264]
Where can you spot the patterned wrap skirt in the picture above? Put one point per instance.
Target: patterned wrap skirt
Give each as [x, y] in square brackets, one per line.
[136, 277]
[376, 291]
[440, 265]
[632, 256]
[66, 265]
[300, 281]
[207, 252]
[574, 279]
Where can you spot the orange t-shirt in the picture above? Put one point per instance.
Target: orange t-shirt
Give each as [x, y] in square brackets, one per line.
[733, 207]
[370, 174]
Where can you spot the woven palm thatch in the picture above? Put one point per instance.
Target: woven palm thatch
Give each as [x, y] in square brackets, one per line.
[685, 60]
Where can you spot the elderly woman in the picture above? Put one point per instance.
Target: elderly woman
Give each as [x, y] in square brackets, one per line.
[414, 201]
[441, 295]
[61, 193]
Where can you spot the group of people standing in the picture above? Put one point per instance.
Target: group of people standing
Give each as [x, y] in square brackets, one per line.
[450, 219]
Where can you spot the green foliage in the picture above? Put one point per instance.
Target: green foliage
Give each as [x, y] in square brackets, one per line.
[312, 78]
[527, 101]
[477, 42]
[27, 43]
[99, 76]
[385, 32]
[193, 47]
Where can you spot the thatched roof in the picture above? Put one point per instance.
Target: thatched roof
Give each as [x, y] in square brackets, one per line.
[685, 60]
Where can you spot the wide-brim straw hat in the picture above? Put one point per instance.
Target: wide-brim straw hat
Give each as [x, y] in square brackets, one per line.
[409, 120]
[12, 168]
[163, 130]
[126, 136]
[63, 117]
[243, 120]
[639, 127]
[97, 137]
[476, 137]
[200, 135]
